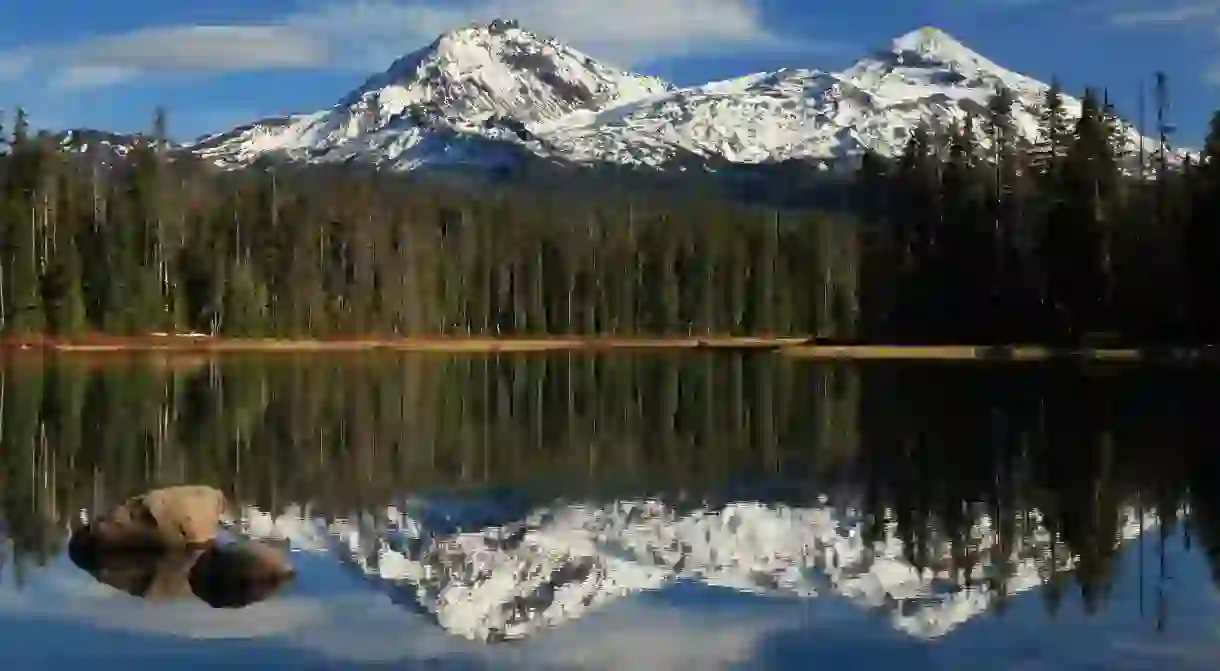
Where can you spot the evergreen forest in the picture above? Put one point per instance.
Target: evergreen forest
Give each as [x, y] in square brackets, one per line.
[955, 241]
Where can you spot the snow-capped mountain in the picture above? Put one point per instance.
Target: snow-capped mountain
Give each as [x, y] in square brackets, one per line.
[513, 579]
[925, 78]
[84, 140]
[452, 101]
[483, 94]
[108, 147]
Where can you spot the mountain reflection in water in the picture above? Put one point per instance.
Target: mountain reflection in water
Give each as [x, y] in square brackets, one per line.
[501, 497]
[564, 560]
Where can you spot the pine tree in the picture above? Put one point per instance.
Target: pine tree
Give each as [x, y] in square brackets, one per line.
[160, 128]
[22, 304]
[1201, 243]
[21, 128]
[1117, 138]
[964, 264]
[1090, 175]
[62, 296]
[872, 188]
[916, 217]
[62, 291]
[1054, 133]
[1006, 212]
[245, 302]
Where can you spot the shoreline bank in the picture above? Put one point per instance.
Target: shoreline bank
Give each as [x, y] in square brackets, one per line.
[443, 345]
[793, 347]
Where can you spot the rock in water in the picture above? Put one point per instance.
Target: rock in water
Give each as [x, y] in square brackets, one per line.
[156, 575]
[174, 517]
[233, 575]
[239, 574]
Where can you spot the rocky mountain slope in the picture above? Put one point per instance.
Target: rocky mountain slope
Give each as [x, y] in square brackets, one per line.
[485, 95]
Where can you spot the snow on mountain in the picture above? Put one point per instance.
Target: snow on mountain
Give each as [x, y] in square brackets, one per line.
[492, 82]
[513, 579]
[756, 118]
[83, 140]
[484, 94]
[926, 78]
[105, 146]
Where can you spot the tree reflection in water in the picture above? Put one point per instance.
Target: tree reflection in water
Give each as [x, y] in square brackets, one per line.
[1052, 455]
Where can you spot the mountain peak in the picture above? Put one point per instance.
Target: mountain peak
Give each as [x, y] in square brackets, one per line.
[925, 39]
[499, 68]
[492, 28]
[501, 24]
[933, 44]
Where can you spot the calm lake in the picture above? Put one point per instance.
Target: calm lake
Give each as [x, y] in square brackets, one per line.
[629, 511]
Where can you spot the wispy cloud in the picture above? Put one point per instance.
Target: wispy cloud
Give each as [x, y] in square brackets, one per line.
[1159, 13]
[112, 59]
[1197, 15]
[77, 77]
[1013, 4]
[367, 34]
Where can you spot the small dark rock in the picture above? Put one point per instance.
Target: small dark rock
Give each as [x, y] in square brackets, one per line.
[237, 575]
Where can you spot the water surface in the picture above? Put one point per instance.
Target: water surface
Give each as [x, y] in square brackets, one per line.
[630, 511]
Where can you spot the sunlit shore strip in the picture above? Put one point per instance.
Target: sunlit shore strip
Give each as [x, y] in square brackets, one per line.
[444, 345]
[794, 347]
[963, 353]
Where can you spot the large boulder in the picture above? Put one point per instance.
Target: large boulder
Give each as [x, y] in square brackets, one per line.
[170, 518]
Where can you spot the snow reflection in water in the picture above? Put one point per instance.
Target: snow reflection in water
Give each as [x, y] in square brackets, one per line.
[508, 580]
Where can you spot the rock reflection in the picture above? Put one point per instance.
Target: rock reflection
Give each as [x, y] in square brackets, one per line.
[231, 575]
[238, 575]
[152, 575]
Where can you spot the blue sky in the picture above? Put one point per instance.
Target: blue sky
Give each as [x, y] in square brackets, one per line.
[217, 63]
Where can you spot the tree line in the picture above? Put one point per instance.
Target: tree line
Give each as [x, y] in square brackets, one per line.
[154, 241]
[1082, 232]
[956, 240]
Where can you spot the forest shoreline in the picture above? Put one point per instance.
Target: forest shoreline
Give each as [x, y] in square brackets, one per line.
[794, 347]
[440, 344]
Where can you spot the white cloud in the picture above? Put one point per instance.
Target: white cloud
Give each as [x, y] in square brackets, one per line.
[13, 65]
[204, 49]
[76, 77]
[112, 59]
[367, 34]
